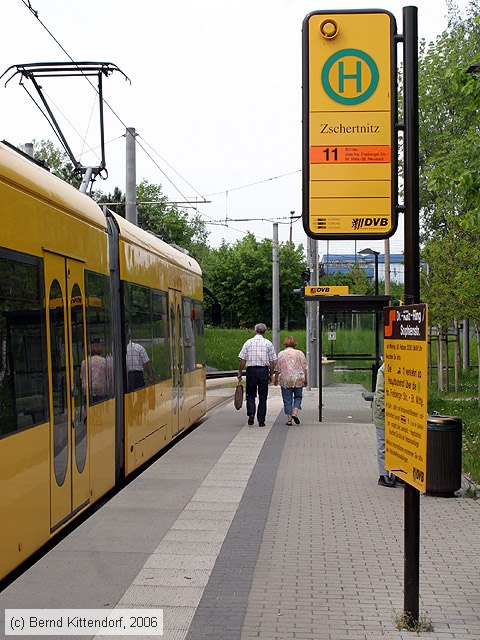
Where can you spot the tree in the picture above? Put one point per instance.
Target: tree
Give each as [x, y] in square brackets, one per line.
[168, 222]
[171, 224]
[449, 128]
[291, 263]
[449, 118]
[115, 200]
[449, 182]
[240, 275]
[56, 160]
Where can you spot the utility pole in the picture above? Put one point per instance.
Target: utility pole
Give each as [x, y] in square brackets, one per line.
[276, 291]
[131, 177]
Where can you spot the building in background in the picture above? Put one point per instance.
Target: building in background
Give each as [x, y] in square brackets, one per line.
[342, 263]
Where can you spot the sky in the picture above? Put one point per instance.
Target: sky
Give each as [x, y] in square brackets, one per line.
[214, 96]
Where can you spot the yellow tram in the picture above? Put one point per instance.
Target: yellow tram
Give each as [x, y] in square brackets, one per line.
[102, 353]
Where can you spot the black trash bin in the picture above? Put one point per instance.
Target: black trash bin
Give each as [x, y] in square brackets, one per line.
[444, 455]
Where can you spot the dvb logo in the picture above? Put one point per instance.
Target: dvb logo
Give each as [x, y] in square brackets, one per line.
[376, 222]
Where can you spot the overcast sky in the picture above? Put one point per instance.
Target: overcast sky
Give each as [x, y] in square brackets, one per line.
[215, 97]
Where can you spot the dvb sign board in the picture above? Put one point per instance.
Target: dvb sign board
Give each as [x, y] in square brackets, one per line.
[349, 102]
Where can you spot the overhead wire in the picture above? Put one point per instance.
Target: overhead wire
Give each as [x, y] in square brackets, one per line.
[253, 184]
[35, 13]
[88, 127]
[212, 221]
[43, 113]
[84, 142]
[172, 168]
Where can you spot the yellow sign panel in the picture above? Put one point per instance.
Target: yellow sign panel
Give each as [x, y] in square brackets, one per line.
[406, 387]
[327, 291]
[349, 101]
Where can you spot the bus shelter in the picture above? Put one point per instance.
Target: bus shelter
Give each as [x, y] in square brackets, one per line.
[346, 304]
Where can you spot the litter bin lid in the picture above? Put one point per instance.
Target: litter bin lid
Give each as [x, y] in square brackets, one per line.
[443, 422]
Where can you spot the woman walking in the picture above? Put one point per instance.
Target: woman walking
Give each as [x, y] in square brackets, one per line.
[291, 372]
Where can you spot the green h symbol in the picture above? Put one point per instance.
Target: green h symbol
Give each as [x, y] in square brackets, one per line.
[342, 76]
[338, 58]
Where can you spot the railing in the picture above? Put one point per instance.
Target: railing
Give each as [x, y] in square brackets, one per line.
[221, 374]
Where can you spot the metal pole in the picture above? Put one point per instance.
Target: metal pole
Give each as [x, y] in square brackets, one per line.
[308, 350]
[87, 176]
[377, 327]
[276, 291]
[412, 205]
[387, 266]
[311, 320]
[320, 368]
[317, 319]
[102, 128]
[131, 178]
[315, 316]
[412, 287]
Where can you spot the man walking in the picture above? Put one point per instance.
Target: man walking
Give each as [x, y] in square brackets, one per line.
[258, 355]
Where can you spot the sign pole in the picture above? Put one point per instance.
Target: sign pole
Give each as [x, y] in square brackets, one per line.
[320, 368]
[412, 287]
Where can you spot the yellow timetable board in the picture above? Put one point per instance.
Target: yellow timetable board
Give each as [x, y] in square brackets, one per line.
[406, 392]
[349, 150]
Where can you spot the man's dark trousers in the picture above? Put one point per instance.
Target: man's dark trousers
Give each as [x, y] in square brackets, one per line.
[257, 378]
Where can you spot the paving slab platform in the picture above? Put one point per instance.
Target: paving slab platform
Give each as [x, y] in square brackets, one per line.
[272, 533]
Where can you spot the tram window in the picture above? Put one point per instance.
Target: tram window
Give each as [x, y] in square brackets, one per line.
[58, 381]
[138, 317]
[161, 337]
[146, 319]
[23, 390]
[78, 400]
[99, 337]
[188, 335]
[199, 331]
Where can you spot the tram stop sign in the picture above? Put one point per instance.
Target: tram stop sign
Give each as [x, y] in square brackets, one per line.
[349, 103]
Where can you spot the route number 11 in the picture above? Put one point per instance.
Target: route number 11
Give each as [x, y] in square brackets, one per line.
[332, 152]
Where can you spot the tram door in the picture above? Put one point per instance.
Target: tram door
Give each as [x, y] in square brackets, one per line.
[68, 379]
[176, 341]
